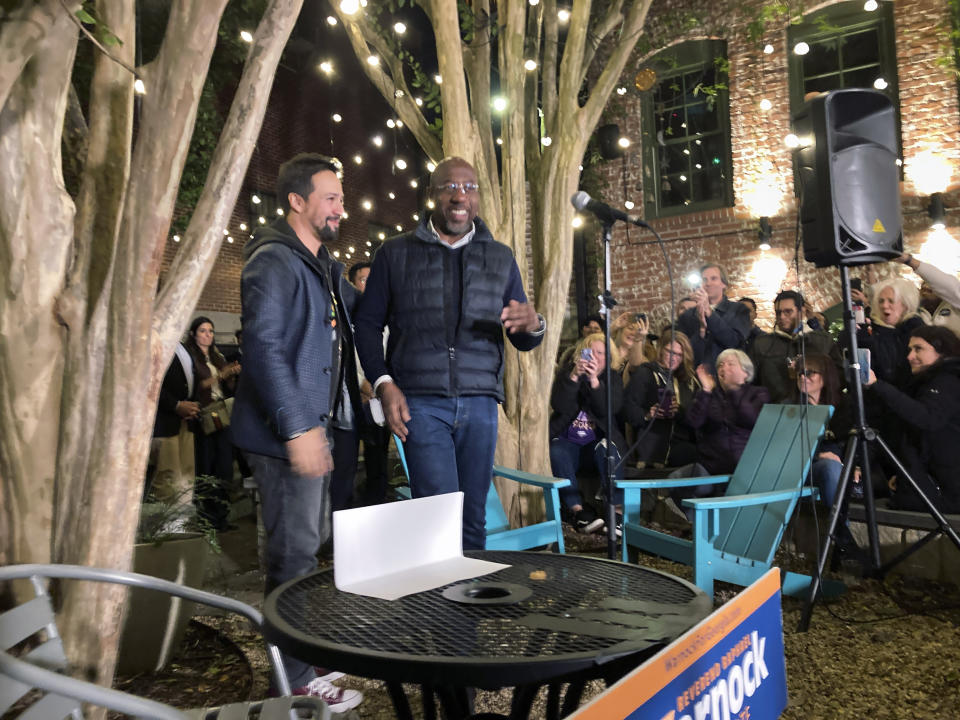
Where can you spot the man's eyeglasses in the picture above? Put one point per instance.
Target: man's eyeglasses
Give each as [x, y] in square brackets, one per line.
[466, 188]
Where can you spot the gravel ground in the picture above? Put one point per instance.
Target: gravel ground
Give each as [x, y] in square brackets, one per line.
[880, 650]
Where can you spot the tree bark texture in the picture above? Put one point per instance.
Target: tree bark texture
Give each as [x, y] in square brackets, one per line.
[534, 181]
[84, 339]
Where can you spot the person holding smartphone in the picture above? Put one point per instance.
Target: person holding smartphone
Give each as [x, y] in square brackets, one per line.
[660, 392]
[578, 425]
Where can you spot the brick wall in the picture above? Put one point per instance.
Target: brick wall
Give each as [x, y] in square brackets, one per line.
[930, 124]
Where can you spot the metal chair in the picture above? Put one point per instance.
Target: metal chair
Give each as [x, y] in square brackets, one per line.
[32, 625]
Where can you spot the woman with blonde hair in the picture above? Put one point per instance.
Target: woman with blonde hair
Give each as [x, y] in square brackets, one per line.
[660, 392]
[893, 318]
[578, 424]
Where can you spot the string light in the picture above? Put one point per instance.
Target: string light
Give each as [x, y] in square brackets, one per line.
[176, 238]
[326, 67]
[414, 183]
[624, 142]
[358, 159]
[390, 123]
[377, 140]
[351, 249]
[431, 167]
[628, 204]
[336, 253]
[563, 15]
[331, 20]
[391, 195]
[243, 226]
[399, 123]
[765, 104]
[367, 253]
[373, 60]
[399, 28]
[546, 141]
[416, 217]
[577, 221]
[398, 93]
[255, 199]
[337, 117]
[230, 239]
[880, 84]
[349, 7]
[418, 101]
[499, 141]
[262, 220]
[530, 65]
[768, 49]
[431, 204]
[870, 5]
[366, 205]
[400, 163]
[792, 141]
[438, 79]
[399, 228]
[226, 232]
[280, 211]
[801, 48]
[621, 90]
[369, 244]
[499, 104]
[246, 36]
[139, 88]
[382, 236]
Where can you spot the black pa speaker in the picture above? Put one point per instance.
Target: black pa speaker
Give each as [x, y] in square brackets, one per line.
[848, 177]
[608, 137]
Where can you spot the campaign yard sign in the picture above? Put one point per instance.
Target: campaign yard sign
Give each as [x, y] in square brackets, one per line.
[729, 667]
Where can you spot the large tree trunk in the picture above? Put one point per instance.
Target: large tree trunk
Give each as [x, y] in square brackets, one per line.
[84, 341]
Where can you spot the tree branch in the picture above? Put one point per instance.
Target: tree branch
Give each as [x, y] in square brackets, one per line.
[551, 52]
[633, 26]
[76, 21]
[203, 236]
[612, 18]
[21, 33]
[362, 35]
[458, 131]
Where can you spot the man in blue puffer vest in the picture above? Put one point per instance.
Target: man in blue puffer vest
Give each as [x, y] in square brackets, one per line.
[447, 291]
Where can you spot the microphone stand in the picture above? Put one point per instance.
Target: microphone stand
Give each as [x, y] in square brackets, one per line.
[609, 469]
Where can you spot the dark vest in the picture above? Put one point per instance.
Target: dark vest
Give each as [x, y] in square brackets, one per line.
[429, 351]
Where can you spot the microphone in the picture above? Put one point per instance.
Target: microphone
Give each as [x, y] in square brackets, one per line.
[582, 201]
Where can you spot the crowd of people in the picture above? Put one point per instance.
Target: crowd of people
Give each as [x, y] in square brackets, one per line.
[685, 402]
[413, 344]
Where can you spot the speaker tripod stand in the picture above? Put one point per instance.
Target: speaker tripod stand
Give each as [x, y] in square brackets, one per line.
[857, 445]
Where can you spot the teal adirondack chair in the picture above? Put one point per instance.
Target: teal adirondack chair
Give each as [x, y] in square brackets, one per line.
[500, 536]
[736, 536]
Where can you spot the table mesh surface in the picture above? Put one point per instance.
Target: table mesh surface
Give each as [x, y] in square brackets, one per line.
[583, 606]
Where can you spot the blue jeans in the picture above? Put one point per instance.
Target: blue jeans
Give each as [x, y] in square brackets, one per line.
[826, 476]
[449, 447]
[296, 516]
[567, 457]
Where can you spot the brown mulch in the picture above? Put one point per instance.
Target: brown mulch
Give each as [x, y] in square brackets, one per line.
[880, 650]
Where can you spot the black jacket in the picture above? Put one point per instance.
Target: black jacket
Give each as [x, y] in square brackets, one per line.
[290, 372]
[770, 354]
[667, 434]
[568, 398]
[888, 349]
[727, 327]
[929, 433]
[172, 391]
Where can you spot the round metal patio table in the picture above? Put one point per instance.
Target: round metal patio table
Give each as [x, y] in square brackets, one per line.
[585, 618]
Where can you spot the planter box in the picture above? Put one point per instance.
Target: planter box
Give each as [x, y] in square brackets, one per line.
[155, 622]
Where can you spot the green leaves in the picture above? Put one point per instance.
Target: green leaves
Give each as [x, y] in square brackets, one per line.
[86, 14]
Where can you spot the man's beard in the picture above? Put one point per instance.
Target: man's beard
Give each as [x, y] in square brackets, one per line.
[327, 233]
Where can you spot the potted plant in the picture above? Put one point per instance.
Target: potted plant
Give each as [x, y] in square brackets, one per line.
[172, 544]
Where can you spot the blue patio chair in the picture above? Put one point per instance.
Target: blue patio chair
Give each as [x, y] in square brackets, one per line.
[40, 661]
[500, 536]
[736, 536]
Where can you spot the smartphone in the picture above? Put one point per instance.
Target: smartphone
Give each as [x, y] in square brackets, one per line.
[863, 360]
[640, 317]
[586, 354]
[856, 284]
[376, 412]
[665, 399]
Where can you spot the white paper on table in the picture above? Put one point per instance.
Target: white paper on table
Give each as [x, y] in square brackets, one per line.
[400, 548]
